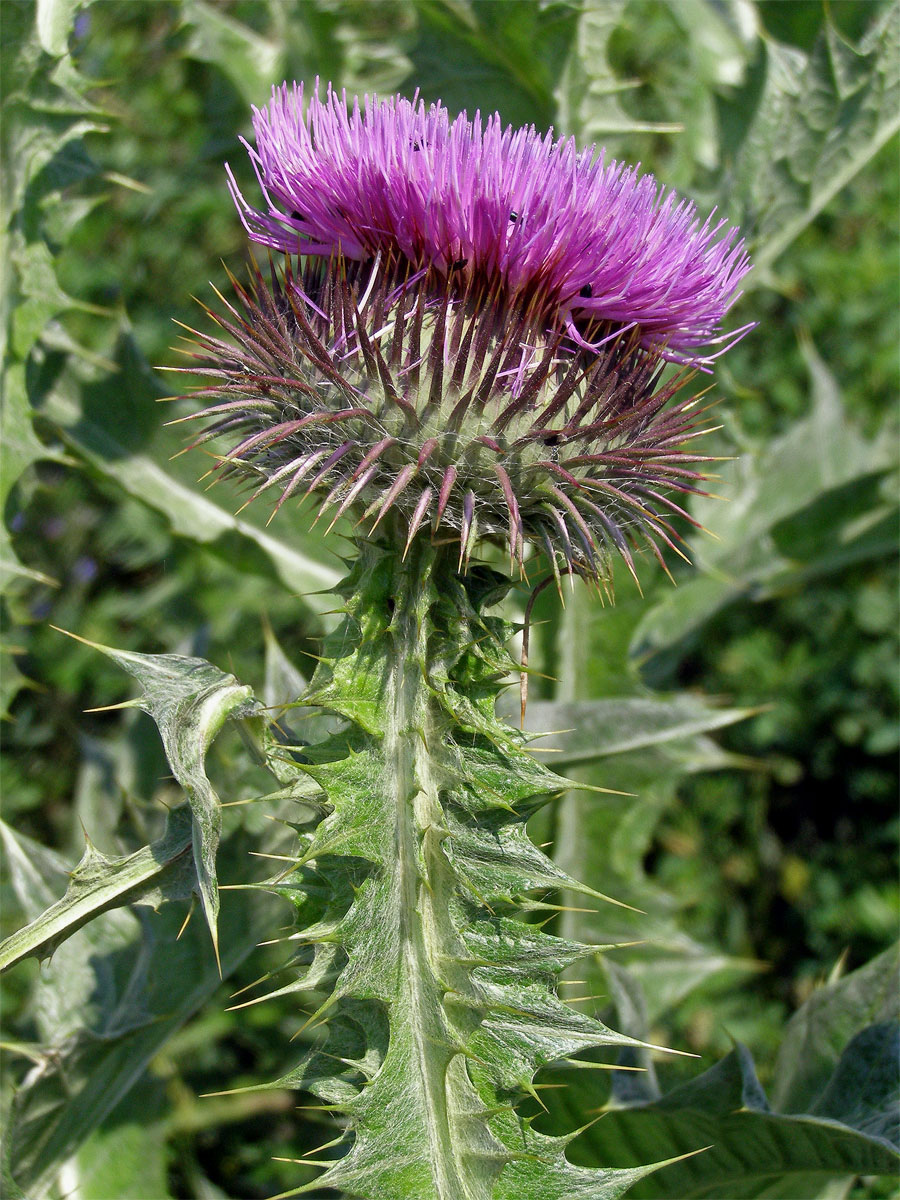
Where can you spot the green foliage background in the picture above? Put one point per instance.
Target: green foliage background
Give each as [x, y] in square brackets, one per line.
[764, 852]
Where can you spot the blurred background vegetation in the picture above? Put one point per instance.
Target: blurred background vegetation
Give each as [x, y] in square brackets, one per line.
[767, 849]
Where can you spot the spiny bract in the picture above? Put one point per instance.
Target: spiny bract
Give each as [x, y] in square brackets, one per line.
[431, 357]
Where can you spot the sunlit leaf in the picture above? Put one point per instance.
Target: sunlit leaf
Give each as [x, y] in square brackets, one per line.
[54, 21]
[747, 1150]
[143, 984]
[817, 122]
[189, 700]
[508, 54]
[159, 872]
[592, 729]
[587, 94]
[839, 1122]
[125, 1157]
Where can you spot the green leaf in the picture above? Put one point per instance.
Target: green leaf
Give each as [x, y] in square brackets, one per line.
[20, 448]
[864, 1091]
[644, 746]
[747, 1150]
[85, 427]
[833, 1014]
[190, 700]
[816, 460]
[44, 119]
[587, 94]
[126, 1156]
[41, 297]
[840, 1121]
[161, 871]
[410, 893]
[112, 995]
[284, 682]
[499, 56]
[593, 729]
[37, 873]
[252, 63]
[609, 837]
[817, 122]
[110, 998]
[54, 23]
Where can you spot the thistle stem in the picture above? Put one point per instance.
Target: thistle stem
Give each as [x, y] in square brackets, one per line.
[413, 727]
[446, 1004]
[574, 642]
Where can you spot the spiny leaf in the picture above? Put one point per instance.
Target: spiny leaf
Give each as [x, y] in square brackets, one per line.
[847, 1125]
[101, 1027]
[750, 1146]
[833, 1014]
[588, 90]
[249, 60]
[593, 729]
[160, 871]
[45, 117]
[190, 700]
[53, 22]
[818, 121]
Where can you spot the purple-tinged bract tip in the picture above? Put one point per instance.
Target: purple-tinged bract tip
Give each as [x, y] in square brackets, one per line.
[570, 236]
[400, 399]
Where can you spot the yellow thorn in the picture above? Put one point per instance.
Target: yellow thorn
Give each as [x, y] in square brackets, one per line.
[93, 645]
[184, 923]
[591, 1066]
[592, 787]
[248, 986]
[214, 934]
[230, 1092]
[532, 1091]
[325, 1146]
[610, 900]
[113, 707]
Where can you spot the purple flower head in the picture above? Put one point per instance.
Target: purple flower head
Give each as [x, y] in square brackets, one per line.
[571, 237]
[471, 342]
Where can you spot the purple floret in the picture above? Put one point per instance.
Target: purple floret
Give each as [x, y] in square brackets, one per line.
[570, 236]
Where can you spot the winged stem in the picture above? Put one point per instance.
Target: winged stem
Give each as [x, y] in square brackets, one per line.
[448, 993]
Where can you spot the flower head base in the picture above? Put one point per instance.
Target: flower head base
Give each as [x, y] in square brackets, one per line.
[391, 396]
[560, 231]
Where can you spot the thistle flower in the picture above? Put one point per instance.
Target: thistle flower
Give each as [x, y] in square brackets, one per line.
[472, 336]
[578, 238]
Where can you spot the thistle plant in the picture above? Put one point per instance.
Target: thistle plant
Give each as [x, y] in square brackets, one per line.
[471, 337]
[475, 362]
